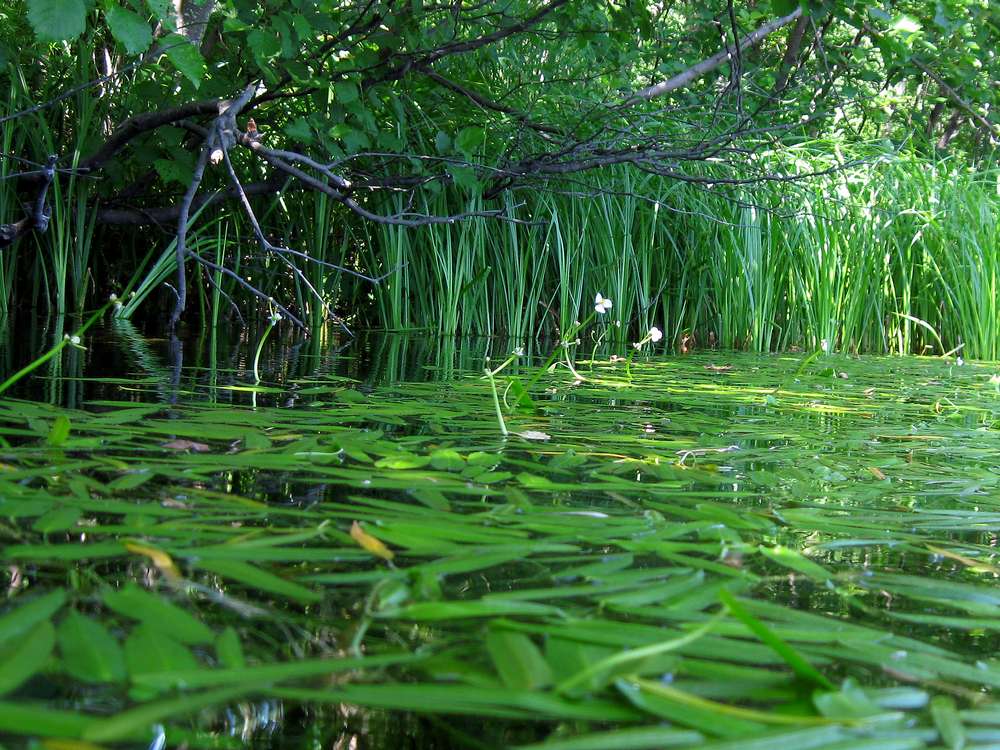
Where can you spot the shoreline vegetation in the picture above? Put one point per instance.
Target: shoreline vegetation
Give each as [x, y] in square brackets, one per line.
[897, 254]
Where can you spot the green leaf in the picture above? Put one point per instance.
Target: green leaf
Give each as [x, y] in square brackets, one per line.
[345, 92]
[129, 29]
[22, 718]
[795, 560]
[148, 651]
[456, 610]
[55, 20]
[30, 614]
[23, 657]
[848, 703]
[265, 46]
[793, 658]
[89, 652]
[520, 398]
[229, 650]
[299, 130]
[470, 139]
[517, 660]
[59, 431]
[138, 720]
[783, 7]
[948, 722]
[256, 579]
[695, 717]
[163, 10]
[633, 738]
[464, 177]
[57, 519]
[269, 673]
[185, 57]
[447, 459]
[157, 613]
[177, 170]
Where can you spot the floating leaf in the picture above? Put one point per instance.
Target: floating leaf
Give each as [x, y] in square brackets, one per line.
[517, 660]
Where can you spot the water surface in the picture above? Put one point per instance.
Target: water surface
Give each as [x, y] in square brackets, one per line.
[718, 548]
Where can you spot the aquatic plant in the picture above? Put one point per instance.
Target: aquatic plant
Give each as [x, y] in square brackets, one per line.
[714, 553]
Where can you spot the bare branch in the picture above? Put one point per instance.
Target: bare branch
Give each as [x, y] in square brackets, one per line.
[692, 74]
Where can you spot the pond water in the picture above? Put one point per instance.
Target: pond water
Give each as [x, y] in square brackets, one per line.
[712, 551]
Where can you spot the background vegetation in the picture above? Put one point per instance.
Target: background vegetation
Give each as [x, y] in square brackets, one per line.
[834, 181]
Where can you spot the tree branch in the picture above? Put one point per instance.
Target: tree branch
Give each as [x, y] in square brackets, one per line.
[689, 76]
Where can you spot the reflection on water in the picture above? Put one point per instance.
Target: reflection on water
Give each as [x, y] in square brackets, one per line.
[361, 504]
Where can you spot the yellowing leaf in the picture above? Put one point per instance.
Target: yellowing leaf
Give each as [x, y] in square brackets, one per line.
[977, 566]
[163, 562]
[186, 445]
[370, 543]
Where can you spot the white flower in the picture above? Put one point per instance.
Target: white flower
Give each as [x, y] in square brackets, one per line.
[825, 346]
[655, 334]
[275, 318]
[518, 352]
[216, 156]
[74, 340]
[959, 361]
[601, 304]
[113, 297]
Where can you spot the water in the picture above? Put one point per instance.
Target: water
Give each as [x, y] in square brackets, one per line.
[712, 548]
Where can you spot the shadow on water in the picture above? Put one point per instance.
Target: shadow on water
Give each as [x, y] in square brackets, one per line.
[350, 554]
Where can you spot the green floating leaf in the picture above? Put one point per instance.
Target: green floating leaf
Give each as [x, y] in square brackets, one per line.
[710, 722]
[466, 699]
[457, 610]
[795, 560]
[257, 579]
[158, 614]
[89, 652]
[517, 660]
[948, 721]
[850, 702]
[635, 738]
[265, 674]
[447, 459]
[20, 658]
[793, 658]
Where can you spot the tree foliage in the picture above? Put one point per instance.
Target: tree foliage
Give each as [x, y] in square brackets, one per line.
[403, 97]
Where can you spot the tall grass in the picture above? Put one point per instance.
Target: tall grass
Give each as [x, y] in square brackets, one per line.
[882, 257]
